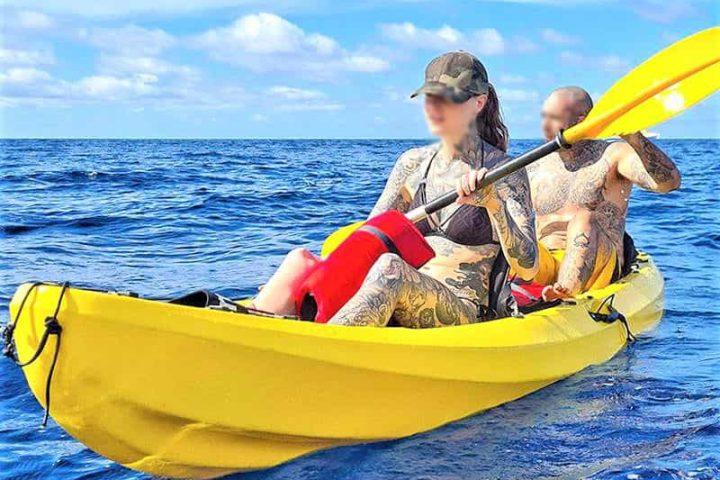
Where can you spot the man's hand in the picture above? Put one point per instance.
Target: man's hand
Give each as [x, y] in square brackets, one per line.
[555, 292]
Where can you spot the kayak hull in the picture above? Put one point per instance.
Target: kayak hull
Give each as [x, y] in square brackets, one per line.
[187, 392]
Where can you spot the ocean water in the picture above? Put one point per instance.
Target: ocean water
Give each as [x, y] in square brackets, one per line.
[163, 217]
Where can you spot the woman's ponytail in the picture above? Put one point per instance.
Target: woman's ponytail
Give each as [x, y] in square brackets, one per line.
[490, 125]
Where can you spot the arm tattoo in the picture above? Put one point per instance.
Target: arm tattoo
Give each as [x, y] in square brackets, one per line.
[596, 244]
[514, 220]
[651, 169]
[579, 262]
[581, 240]
[392, 196]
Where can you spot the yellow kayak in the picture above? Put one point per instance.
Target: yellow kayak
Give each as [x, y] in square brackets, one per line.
[182, 391]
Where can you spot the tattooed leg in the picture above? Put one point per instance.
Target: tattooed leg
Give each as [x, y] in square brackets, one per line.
[393, 288]
[276, 295]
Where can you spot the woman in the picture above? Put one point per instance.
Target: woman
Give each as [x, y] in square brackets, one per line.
[486, 225]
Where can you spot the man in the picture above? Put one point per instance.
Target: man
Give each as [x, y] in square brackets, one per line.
[581, 196]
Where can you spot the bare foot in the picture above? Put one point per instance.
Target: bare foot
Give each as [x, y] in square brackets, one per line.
[555, 292]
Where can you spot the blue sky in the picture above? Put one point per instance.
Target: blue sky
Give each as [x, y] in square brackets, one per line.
[312, 69]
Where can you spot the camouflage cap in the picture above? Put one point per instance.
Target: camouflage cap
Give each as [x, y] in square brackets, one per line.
[457, 76]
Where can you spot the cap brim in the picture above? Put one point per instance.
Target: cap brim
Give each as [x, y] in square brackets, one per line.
[442, 90]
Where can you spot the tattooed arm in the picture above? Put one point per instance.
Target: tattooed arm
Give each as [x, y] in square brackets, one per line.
[513, 217]
[511, 213]
[578, 264]
[646, 165]
[395, 195]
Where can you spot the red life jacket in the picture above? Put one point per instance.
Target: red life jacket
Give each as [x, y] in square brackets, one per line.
[332, 282]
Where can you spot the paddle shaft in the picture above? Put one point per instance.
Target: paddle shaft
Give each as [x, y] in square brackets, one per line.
[420, 213]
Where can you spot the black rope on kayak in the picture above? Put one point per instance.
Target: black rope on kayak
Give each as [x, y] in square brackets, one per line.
[52, 327]
[612, 316]
[8, 332]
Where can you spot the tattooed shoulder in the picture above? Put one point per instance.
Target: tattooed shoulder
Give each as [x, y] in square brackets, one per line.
[394, 195]
[415, 160]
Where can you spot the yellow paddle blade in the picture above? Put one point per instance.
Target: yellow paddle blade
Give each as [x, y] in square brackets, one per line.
[663, 86]
[337, 237]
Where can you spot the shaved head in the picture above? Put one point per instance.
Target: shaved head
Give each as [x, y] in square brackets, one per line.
[580, 101]
[563, 108]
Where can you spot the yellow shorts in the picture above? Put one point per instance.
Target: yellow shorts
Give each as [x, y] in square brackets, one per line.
[550, 260]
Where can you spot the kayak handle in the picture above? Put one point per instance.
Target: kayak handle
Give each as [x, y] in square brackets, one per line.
[422, 212]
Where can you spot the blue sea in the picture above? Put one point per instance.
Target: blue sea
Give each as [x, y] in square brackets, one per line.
[163, 217]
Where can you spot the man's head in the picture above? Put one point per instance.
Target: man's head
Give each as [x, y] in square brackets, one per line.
[563, 108]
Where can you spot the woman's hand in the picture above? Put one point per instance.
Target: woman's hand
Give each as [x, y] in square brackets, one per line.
[469, 191]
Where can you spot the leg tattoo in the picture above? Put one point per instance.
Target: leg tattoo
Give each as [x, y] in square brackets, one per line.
[393, 288]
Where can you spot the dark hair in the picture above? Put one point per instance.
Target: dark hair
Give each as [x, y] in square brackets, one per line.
[490, 125]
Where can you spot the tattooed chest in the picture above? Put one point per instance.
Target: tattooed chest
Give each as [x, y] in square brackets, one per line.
[554, 188]
[442, 179]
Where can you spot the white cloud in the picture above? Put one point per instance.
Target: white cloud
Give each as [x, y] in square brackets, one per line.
[291, 93]
[394, 94]
[520, 44]
[483, 41]
[571, 58]
[19, 76]
[259, 118]
[265, 42]
[366, 63]
[108, 87]
[610, 63]
[100, 8]
[412, 36]
[298, 107]
[130, 39]
[31, 86]
[137, 91]
[554, 2]
[9, 56]
[129, 69]
[129, 64]
[30, 20]
[550, 35]
[517, 95]
[613, 63]
[292, 99]
[511, 78]
[663, 11]
[264, 33]
[488, 41]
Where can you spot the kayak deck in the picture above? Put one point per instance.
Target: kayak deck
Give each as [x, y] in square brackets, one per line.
[189, 392]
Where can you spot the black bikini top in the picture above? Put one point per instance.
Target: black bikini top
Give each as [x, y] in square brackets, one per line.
[467, 225]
